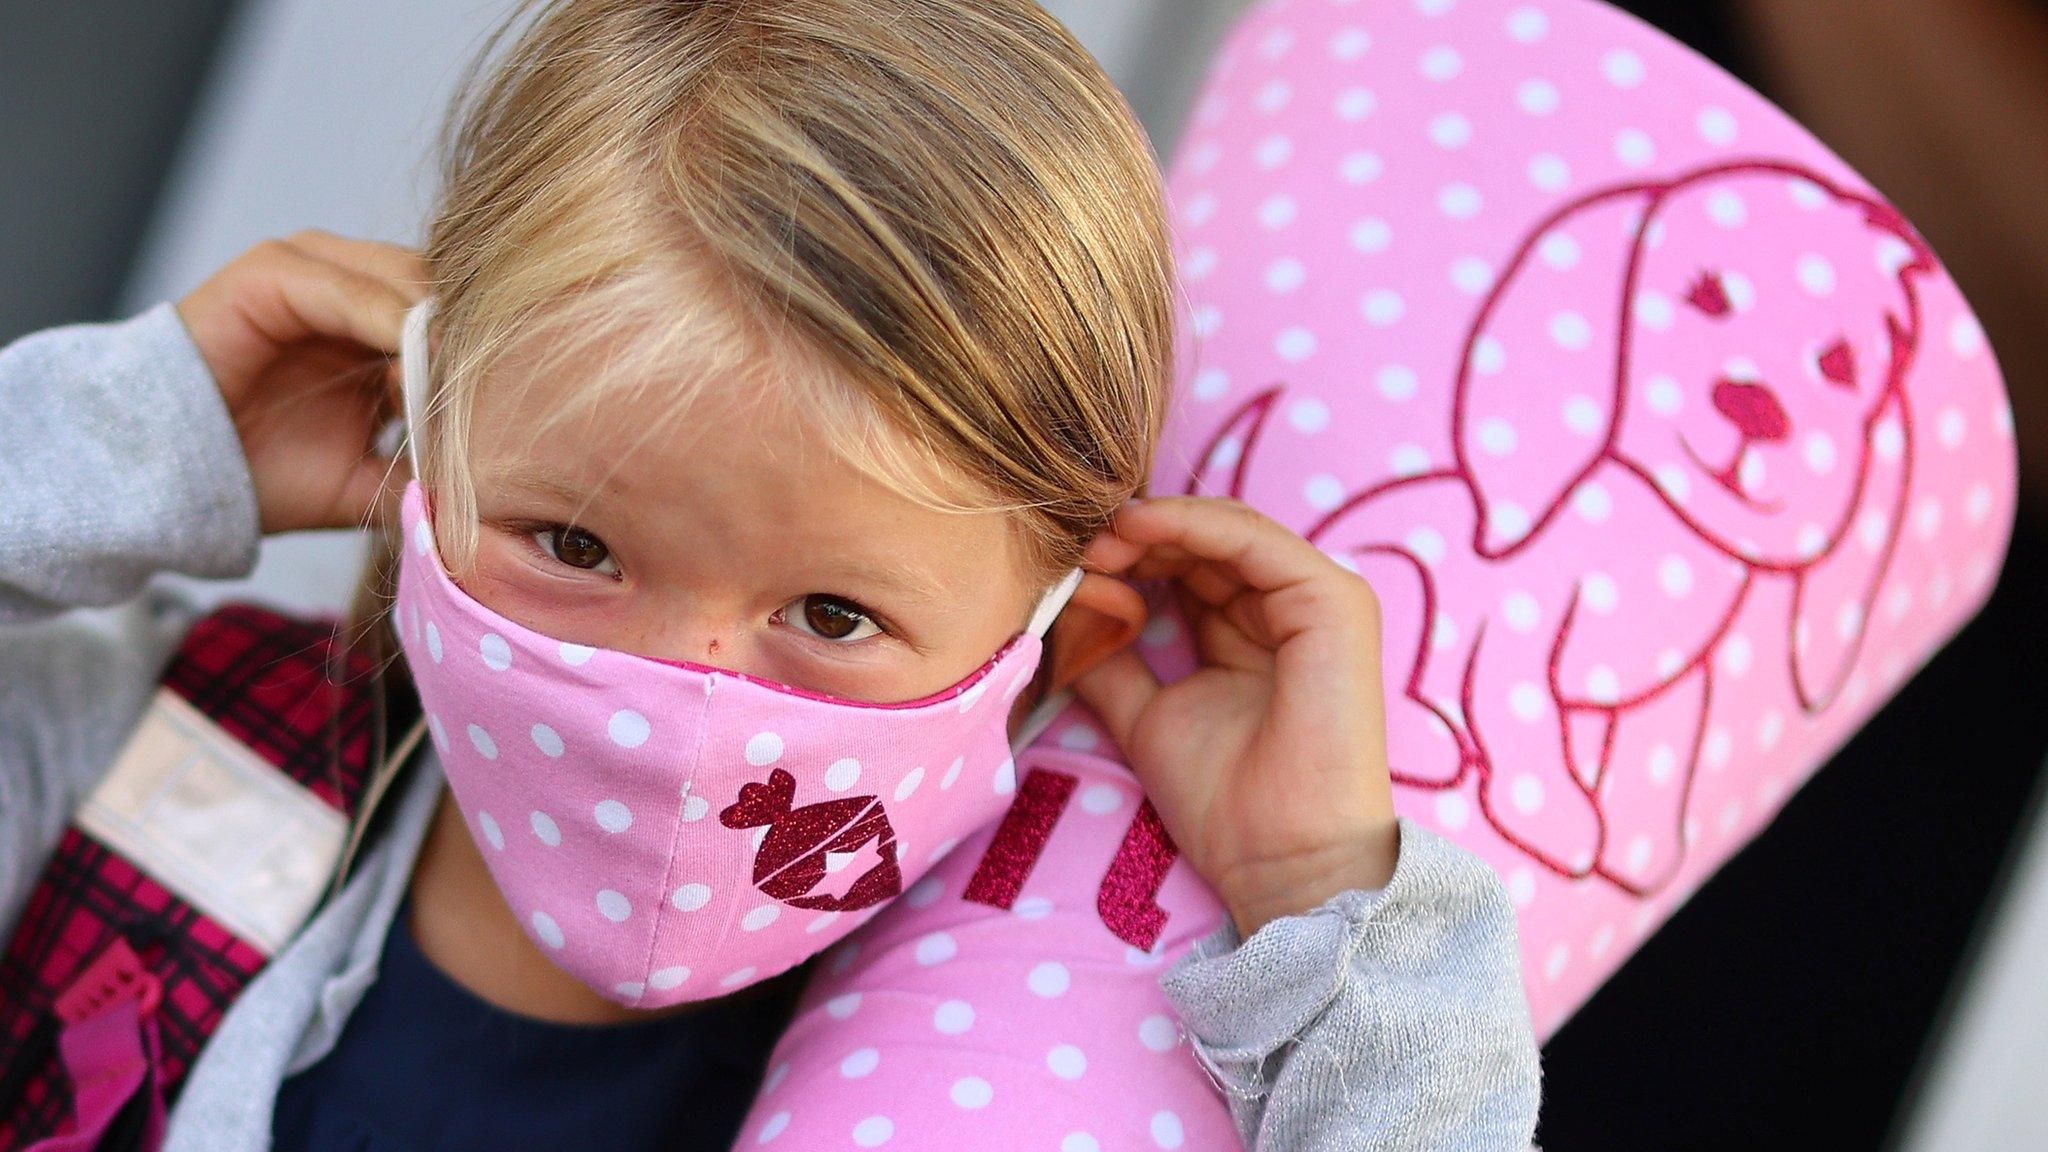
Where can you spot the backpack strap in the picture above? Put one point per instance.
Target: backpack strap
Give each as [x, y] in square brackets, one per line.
[201, 853]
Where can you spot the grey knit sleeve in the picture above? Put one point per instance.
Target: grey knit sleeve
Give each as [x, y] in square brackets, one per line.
[117, 461]
[1381, 1020]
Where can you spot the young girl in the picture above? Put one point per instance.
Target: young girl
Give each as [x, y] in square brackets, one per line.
[790, 367]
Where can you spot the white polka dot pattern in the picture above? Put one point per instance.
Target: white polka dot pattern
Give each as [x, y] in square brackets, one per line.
[1604, 443]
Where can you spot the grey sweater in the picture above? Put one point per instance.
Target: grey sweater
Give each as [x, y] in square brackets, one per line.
[1392, 1019]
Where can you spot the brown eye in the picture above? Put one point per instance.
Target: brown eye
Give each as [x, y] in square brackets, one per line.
[576, 548]
[831, 618]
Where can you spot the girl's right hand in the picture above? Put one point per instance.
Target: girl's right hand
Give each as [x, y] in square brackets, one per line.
[302, 335]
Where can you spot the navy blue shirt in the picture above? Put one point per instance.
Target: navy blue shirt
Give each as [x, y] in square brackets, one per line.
[424, 1065]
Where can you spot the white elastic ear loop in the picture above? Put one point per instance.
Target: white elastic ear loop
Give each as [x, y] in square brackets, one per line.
[1049, 607]
[1053, 603]
[412, 366]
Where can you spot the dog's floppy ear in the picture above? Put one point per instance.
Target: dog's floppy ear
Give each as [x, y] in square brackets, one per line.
[1834, 598]
[1544, 367]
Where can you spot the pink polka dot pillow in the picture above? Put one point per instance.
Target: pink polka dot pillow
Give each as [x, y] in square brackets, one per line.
[1669, 448]
[1668, 445]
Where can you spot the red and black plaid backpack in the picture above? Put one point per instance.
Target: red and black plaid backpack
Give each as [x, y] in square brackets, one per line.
[213, 837]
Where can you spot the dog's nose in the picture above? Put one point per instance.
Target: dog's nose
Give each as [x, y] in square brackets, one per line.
[1752, 409]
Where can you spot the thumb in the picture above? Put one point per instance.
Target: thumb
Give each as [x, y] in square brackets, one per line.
[1119, 689]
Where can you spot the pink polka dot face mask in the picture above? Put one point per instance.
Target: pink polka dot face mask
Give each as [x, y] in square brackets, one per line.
[667, 831]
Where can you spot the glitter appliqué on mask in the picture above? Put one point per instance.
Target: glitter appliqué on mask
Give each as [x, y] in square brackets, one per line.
[795, 855]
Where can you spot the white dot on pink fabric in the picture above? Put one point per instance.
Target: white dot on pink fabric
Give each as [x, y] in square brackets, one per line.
[1717, 125]
[497, 655]
[761, 917]
[1522, 887]
[614, 906]
[1527, 25]
[1101, 799]
[953, 1017]
[612, 816]
[690, 897]
[1442, 63]
[859, 1063]
[1355, 104]
[1450, 131]
[549, 932]
[873, 1132]
[1452, 810]
[628, 728]
[667, 978]
[1157, 1033]
[772, 1127]
[1623, 68]
[545, 829]
[1362, 167]
[1066, 1062]
[1537, 97]
[972, 1092]
[576, 654]
[763, 749]
[1459, 201]
[547, 740]
[1048, 979]
[843, 1006]
[1521, 611]
[936, 948]
[1633, 147]
[842, 774]
[1549, 172]
[1166, 1130]
[1397, 382]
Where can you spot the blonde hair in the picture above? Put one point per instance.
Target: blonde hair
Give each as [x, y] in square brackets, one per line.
[934, 224]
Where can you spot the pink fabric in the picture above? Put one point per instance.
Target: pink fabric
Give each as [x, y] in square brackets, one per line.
[1668, 447]
[668, 832]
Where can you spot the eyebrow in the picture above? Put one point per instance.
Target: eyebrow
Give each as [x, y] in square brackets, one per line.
[540, 479]
[900, 578]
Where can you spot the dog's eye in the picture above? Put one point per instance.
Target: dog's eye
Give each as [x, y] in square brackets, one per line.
[1838, 364]
[1710, 295]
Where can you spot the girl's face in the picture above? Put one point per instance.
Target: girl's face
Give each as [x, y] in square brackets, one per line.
[734, 538]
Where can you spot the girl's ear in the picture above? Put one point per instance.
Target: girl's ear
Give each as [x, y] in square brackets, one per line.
[1102, 617]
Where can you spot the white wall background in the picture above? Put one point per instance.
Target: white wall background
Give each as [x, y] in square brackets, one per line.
[323, 114]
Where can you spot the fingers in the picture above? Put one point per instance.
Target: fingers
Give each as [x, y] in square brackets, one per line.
[1188, 529]
[330, 287]
[282, 294]
[1118, 689]
[403, 268]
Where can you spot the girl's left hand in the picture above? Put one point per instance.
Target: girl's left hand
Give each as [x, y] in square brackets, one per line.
[1267, 764]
